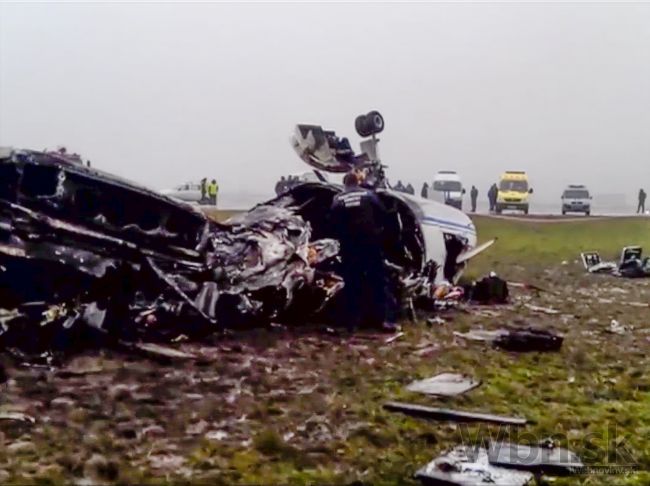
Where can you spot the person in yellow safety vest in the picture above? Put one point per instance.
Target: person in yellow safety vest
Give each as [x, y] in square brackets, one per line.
[213, 190]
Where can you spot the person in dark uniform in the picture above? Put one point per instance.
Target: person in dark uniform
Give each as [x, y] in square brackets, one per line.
[641, 206]
[473, 194]
[280, 186]
[424, 193]
[357, 217]
[492, 197]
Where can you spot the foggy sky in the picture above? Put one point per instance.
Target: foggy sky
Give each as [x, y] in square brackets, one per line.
[167, 93]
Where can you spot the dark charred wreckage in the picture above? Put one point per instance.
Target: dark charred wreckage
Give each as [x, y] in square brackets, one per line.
[87, 258]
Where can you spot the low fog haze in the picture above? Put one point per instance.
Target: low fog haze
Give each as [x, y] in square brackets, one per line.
[167, 93]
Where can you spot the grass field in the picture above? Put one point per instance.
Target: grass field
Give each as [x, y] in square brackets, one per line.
[283, 406]
[551, 243]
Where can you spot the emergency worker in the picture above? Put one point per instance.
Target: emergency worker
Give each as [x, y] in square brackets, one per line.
[357, 217]
[204, 189]
[213, 191]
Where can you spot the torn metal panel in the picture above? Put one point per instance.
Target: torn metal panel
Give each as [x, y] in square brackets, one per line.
[444, 384]
[432, 413]
[469, 466]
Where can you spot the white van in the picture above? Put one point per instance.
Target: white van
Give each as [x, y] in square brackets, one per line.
[576, 199]
[447, 188]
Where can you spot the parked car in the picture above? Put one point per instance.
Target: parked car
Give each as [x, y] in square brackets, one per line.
[189, 192]
[576, 199]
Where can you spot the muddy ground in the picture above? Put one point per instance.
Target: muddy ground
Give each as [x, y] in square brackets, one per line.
[287, 406]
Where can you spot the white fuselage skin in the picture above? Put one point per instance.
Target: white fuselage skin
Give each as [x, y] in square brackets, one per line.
[435, 220]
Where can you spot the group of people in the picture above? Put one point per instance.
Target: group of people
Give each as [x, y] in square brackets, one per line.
[407, 189]
[286, 183]
[209, 191]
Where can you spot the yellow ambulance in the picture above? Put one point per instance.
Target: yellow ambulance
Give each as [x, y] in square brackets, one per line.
[513, 191]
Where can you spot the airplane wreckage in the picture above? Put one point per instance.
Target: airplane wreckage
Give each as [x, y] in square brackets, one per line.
[87, 258]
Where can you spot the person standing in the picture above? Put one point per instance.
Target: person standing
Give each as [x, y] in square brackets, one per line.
[424, 193]
[281, 186]
[492, 197]
[204, 189]
[357, 216]
[399, 186]
[410, 189]
[642, 197]
[213, 192]
[473, 194]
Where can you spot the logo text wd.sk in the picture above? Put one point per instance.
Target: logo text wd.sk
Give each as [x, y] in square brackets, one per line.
[602, 452]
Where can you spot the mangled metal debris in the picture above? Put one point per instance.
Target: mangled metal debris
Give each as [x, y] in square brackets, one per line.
[88, 258]
[469, 466]
[444, 384]
[432, 413]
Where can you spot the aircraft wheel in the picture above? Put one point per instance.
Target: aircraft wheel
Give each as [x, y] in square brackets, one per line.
[369, 124]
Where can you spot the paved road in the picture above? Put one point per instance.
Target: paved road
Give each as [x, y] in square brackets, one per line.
[554, 218]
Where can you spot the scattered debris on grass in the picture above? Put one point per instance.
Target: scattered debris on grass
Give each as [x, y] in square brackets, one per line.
[444, 384]
[17, 417]
[501, 464]
[544, 310]
[469, 466]
[529, 339]
[394, 337]
[489, 290]
[616, 327]
[517, 339]
[432, 413]
[631, 264]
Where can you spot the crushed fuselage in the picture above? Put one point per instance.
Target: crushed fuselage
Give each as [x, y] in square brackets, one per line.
[83, 252]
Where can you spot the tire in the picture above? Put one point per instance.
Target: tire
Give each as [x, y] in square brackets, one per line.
[498, 210]
[588, 213]
[369, 124]
[563, 212]
[376, 121]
